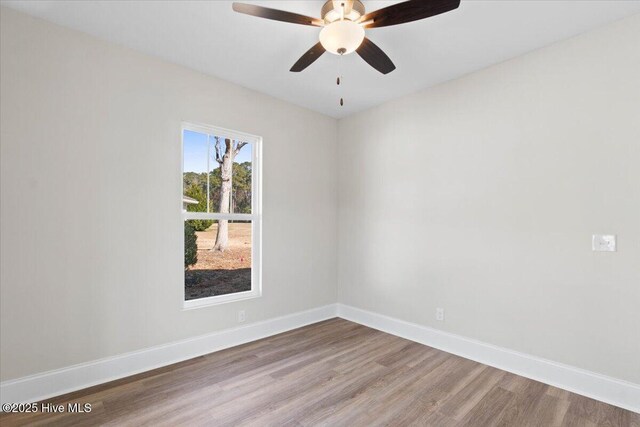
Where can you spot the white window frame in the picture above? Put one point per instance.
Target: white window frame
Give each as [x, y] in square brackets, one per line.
[255, 216]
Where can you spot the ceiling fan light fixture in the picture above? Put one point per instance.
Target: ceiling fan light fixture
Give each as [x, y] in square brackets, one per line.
[341, 37]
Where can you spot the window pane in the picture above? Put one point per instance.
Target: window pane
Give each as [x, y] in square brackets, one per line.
[195, 169]
[215, 265]
[216, 174]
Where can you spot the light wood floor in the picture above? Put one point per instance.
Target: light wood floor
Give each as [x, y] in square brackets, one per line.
[333, 373]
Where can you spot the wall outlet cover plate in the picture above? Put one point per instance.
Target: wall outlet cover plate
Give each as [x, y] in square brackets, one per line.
[603, 242]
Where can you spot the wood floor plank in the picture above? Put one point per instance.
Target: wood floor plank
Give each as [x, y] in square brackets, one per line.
[489, 410]
[333, 373]
[520, 410]
[427, 399]
[460, 404]
[398, 400]
[598, 413]
[549, 411]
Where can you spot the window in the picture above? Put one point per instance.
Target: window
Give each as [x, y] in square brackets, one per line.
[221, 213]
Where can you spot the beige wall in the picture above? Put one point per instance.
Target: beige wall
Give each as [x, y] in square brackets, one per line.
[91, 230]
[481, 195]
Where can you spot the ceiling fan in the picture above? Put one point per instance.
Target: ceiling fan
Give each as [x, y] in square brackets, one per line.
[343, 23]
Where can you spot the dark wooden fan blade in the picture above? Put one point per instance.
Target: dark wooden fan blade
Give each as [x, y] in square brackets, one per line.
[407, 11]
[375, 57]
[308, 58]
[276, 15]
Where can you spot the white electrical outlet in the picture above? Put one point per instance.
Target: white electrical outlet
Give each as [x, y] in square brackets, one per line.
[440, 314]
[603, 242]
[241, 316]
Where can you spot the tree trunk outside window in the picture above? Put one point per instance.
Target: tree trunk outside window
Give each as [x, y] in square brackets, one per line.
[225, 160]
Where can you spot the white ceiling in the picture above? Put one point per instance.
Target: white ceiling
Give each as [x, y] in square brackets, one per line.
[257, 53]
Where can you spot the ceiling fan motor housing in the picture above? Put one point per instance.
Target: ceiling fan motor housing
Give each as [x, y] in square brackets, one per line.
[331, 10]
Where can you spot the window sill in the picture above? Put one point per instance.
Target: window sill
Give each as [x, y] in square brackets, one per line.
[219, 299]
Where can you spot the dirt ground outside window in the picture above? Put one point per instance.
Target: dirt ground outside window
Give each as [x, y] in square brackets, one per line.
[220, 273]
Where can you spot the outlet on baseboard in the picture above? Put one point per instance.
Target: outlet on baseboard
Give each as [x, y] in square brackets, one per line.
[241, 316]
[440, 314]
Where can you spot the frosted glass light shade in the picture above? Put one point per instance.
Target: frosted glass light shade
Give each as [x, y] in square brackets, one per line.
[340, 35]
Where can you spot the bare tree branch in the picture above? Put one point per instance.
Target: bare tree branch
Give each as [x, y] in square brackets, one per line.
[239, 146]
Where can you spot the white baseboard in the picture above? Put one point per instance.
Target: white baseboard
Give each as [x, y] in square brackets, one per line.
[600, 387]
[60, 381]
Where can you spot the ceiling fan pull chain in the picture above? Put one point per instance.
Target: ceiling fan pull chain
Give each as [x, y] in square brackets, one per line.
[339, 79]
